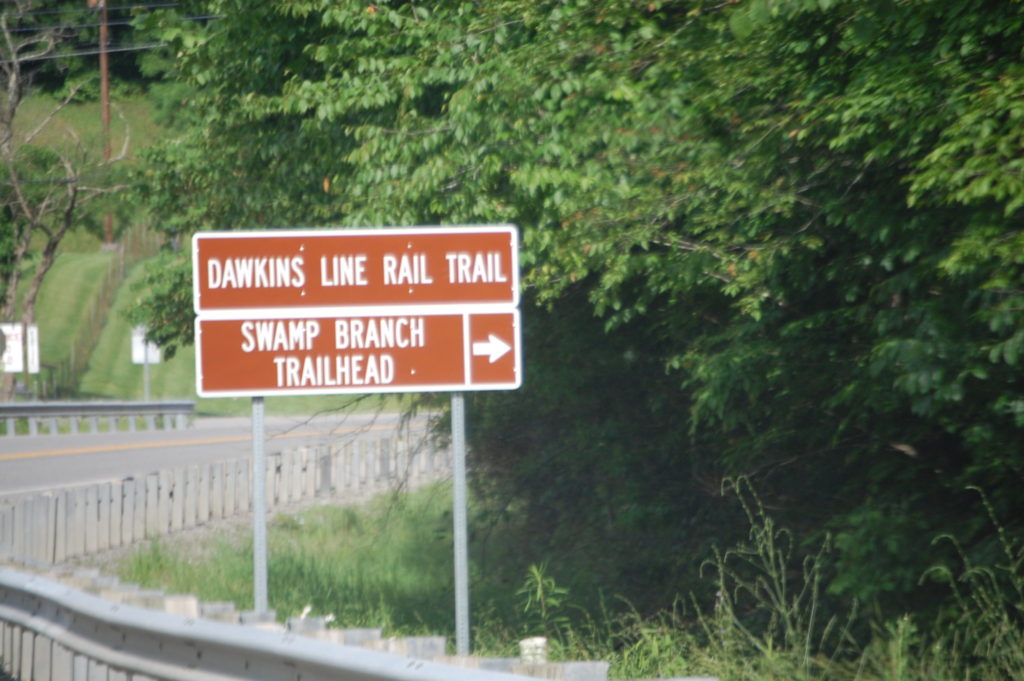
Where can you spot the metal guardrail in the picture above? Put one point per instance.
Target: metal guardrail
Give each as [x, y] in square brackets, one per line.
[49, 527]
[49, 630]
[73, 418]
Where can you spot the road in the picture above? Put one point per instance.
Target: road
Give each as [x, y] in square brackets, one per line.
[29, 464]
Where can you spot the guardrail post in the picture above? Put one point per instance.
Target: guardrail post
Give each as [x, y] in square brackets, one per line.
[25, 656]
[325, 471]
[127, 511]
[164, 505]
[60, 526]
[152, 499]
[116, 512]
[91, 519]
[273, 479]
[80, 668]
[76, 528]
[243, 494]
[6, 658]
[6, 531]
[18, 538]
[103, 516]
[61, 663]
[178, 500]
[216, 491]
[139, 512]
[298, 480]
[203, 509]
[309, 456]
[48, 532]
[229, 488]
[42, 649]
[191, 496]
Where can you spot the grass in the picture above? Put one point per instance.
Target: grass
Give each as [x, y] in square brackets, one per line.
[389, 566]
[80, 124]
[355, 565]
[112, 375]
[63, 300]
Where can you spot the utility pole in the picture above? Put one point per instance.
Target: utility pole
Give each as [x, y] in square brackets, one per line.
[108, 220]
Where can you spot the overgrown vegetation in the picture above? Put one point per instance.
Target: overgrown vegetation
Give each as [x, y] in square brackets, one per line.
[777, 239]
[390, 566]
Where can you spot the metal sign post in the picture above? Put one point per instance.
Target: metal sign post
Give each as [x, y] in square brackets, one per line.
[259, 510]
[459, 520]
[144, 352]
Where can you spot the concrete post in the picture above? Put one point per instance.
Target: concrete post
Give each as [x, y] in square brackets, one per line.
[191, 496]
[152, 505]
[116, 512]
[103, 516]
[203, 507]
[178, 500]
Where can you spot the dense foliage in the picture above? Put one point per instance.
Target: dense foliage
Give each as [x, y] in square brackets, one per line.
[775, 239]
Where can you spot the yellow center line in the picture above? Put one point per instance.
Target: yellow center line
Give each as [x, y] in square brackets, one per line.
[178, 443]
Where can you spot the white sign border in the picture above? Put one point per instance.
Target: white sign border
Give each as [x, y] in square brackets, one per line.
[466, 386]
[344, 232]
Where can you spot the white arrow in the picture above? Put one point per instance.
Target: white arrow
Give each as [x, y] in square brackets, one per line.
[493, 347]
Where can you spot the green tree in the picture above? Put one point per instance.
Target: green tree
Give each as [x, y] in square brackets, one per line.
[796, 223]
[42, 189]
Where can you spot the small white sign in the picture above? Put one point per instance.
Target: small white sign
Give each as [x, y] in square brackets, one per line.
[32, 349]
[144, 352]
[14, 353]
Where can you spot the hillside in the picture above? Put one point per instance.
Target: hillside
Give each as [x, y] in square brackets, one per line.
[111, 375]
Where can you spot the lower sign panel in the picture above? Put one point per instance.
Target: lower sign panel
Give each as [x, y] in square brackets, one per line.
[358, 355]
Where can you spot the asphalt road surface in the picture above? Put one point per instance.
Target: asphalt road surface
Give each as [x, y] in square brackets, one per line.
[38, 463]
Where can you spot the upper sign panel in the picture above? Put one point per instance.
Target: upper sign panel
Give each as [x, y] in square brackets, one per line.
[278, 269]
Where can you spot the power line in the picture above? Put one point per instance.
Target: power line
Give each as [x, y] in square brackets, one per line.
[89, 10]
[57, 27]
[96, 50]
[87, 53]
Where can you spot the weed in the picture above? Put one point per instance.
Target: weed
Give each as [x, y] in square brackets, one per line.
[543, 603]
[389, 566]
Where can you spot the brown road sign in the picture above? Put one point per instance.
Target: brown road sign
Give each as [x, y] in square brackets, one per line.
[432, 351]
[372, 268]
